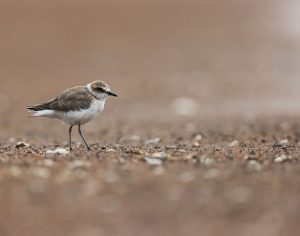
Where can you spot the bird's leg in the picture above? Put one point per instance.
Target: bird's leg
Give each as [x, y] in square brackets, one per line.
[87, 145]
[70, 137]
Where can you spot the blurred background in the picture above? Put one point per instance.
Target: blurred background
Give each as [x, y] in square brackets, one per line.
[212, 56]
[180, 67]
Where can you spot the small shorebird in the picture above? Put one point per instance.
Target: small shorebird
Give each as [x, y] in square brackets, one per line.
[75, 106]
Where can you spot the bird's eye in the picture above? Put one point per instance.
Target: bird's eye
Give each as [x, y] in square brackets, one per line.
[99, 89]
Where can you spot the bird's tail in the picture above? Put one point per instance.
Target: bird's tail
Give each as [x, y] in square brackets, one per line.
[40, 110]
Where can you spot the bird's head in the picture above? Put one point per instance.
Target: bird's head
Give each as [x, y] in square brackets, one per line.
[100, 89]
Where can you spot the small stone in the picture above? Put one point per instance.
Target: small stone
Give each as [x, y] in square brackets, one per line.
[198, 138]
[153, 141]
[254, 165]
[58, 151]
[22, 145]
[170, 146]
[153, 161]
[207, 161]
[281, 158]
[196, 144]
[284, 142]
[111, 150]
[159, 155]
[234, 143]
[121, 160]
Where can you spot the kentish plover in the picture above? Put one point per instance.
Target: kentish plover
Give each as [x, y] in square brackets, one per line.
[75, 106]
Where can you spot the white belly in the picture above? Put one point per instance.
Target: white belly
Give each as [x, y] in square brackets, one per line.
[75, 117]
[83, 116]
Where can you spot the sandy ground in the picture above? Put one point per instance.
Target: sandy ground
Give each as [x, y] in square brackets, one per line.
[239, 178]
[203, 139]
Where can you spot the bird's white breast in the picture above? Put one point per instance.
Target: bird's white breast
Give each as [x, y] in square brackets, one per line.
[83, 116]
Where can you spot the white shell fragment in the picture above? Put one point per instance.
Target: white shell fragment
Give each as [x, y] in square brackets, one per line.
[58, 151]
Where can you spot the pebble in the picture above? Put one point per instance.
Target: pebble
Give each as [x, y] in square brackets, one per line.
[58, 151]
[22, 145]
[121, 160]
[254, 165]
[207, 161]
[153, 141]
[110, 150]
[160, 155]
[234, 143]
[198, 138]
[281, 158]
[284, 142]
[153, 161]
[196, 144]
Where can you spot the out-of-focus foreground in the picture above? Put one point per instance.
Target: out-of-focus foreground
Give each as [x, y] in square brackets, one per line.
[202, 140]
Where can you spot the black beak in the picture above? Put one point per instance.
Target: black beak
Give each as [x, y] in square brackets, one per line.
[111, 94]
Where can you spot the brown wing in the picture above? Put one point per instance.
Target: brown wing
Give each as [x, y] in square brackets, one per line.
[73, 99]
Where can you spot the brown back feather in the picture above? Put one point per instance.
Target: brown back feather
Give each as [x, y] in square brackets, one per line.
[73, 99]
